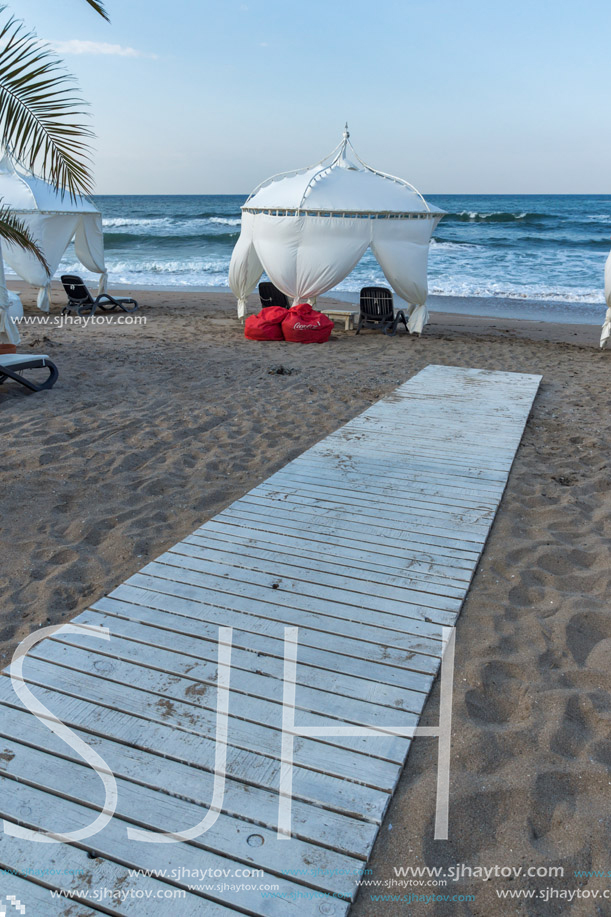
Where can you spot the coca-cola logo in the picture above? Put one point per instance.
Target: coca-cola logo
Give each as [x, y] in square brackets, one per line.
[300, 326]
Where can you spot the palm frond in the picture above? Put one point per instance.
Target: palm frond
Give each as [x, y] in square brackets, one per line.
[41, 112]
[99, 8]
[14, 230]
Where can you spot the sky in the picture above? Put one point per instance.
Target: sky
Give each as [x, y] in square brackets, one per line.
[457, 96]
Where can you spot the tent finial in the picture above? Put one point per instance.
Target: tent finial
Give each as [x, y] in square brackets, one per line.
[346, 131]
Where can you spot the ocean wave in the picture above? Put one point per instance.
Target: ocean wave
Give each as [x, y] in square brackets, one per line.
[114, 240]
[562, 242]
[226, 221]
[136, 222]
[474, 216]
[443, 245]
[179, 273]
[198, 266]
[596, 218]
[540, 293]
[168, 227]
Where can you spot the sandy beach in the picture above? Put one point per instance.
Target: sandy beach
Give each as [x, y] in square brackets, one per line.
[153, 428]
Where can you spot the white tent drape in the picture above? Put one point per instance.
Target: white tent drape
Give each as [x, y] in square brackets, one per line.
[89, 247]
[305, 256]
[606, 330]
[10, 308]
[308, 229]
[53, 232]
[53, 219]
[402, 252]
[245, 269]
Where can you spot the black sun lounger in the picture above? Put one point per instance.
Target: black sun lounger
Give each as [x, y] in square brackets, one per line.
[80, 298]
[272, 296]
[12, 365]
[377, 311]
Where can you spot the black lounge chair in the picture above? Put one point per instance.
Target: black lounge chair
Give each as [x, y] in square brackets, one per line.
[13, 364]
[272, 296]
[80, 298]
[377, 311]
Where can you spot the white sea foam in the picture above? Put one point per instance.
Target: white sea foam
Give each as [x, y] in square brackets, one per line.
[440, 246]
[490, 215]
[136, 223]
[168, 226]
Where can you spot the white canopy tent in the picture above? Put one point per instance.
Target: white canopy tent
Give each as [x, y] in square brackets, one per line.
[309, 228]
[54, 220]
[606, 332]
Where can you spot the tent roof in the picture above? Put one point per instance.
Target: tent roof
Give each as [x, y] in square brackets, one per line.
[339, 183]
[23, 192]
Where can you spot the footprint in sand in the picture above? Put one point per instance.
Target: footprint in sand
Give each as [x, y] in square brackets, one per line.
[503, 695]
[575, 731]
[599, 658]
[584, 632]
[554, 805]
[65, 556]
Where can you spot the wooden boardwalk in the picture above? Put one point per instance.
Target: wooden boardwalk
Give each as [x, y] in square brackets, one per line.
[367, 543]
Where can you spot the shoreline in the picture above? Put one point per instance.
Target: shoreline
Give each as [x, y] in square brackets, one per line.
[452, 317]
[502, 307]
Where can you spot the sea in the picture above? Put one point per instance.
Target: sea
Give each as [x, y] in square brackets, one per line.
[532, 256]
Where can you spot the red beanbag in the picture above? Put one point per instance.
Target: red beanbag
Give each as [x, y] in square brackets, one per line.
[266, 326]
[303, 325]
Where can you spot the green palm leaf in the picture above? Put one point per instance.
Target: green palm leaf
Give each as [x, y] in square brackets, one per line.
[41, 112]
[99, 8]
[14, 230]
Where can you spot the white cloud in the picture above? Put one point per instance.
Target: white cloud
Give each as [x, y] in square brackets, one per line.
[76, 46]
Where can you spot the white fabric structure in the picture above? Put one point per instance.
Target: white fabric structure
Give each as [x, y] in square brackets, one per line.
[54, 219]
[10, 309]
[309, 228]
[606, 331]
